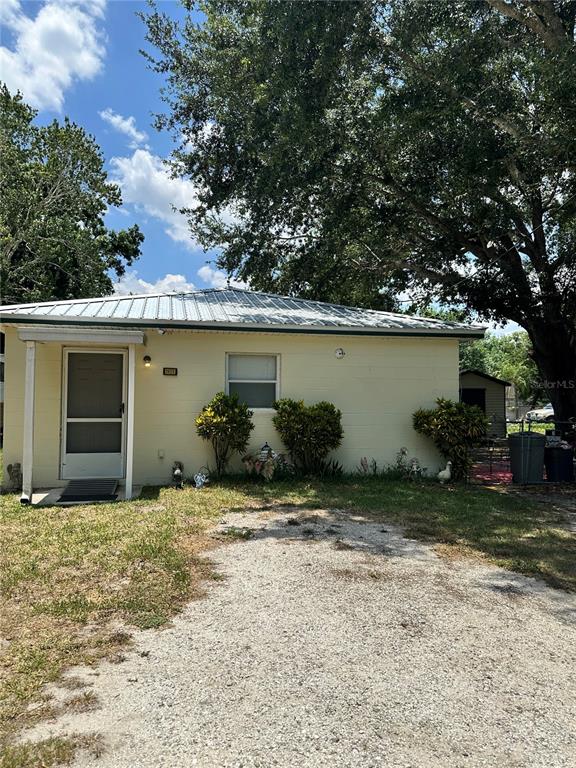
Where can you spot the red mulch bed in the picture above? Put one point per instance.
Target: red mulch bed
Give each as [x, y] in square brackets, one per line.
[482, 473]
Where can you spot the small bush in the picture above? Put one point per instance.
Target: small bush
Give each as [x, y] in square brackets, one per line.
[330, 469]
[368, 467]
[403, 468]
[226, 424]
[309, 432]
[455, 428]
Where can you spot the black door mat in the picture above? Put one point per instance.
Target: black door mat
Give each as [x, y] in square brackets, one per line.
[90, 490]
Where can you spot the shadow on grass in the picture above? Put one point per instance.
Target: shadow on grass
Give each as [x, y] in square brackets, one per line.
[150, 493]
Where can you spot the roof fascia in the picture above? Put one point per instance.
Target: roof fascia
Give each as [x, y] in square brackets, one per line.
[455, 333]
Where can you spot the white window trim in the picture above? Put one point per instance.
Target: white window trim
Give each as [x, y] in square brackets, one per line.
[277, 395]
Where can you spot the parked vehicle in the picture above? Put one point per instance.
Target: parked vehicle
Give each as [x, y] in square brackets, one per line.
[541, 414]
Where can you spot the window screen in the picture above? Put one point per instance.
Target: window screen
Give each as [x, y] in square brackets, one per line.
[254, 379]
[94, 385]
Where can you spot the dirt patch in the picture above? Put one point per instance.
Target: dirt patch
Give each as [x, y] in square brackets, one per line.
[359, 574]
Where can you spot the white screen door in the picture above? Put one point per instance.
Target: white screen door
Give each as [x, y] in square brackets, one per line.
[94, 413]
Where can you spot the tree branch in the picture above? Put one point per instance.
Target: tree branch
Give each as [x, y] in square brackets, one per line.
[500, 122]
[552, 34]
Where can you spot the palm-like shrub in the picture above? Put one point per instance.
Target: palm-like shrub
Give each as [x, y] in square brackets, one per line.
[455, 428]
[226, 423]
[309, 432]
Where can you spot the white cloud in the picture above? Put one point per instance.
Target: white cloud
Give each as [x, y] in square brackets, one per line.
[64, 42]
[10, 13]
[131, 283]
[125, 125]
[216, 278]
[146, 183]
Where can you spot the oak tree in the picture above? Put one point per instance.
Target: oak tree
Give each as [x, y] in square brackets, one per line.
[54, 194]
[340, 148]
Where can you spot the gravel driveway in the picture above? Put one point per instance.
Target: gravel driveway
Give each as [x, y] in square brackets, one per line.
[333, 641]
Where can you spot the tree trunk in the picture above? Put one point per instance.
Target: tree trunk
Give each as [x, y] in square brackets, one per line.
[554, 345]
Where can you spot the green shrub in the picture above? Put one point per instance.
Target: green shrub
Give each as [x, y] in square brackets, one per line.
[455, 428]
[226, 424]
[309, 432]
[330, 469]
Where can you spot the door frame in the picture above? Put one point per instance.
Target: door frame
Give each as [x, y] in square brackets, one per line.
[64, 414]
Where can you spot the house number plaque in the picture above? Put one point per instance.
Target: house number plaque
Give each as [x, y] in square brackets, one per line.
[170, 371]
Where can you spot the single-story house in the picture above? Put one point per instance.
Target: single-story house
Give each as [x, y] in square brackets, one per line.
[109, 387]
[488, 393]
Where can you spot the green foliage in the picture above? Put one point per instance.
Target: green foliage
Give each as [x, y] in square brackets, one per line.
[238, 533]
[473, 356]
[403, 468]
[48, 753]
[226, 423]
[507, 357]
[54, 197]
[427, 144]
[455, 428]
[451, 314]
[330, 469]
[309, 432]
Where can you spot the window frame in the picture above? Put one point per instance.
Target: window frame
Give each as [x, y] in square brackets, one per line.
[276, 381]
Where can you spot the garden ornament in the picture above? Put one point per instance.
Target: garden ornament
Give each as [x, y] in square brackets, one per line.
[414, 470]
[445, 474]
[15, 475]
[266, 453]
[178, 474]
[202, 477]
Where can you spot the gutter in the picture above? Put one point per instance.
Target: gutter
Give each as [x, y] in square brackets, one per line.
[457, 333]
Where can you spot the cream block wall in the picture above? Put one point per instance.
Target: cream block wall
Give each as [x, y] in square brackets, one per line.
[379, 383]
[15, 362]
[46, 412]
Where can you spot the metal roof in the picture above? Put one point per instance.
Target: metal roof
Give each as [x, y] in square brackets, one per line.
[230, 309]
[483, 375]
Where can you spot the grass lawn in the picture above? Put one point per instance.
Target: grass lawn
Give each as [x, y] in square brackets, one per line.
[71, 578]
[535, 426]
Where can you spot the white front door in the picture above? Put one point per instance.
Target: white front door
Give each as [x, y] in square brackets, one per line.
[93, 423]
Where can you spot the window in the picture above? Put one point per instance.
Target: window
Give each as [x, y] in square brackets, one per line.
[254, 378]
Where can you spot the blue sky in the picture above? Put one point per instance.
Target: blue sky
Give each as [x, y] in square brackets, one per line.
[81, 58]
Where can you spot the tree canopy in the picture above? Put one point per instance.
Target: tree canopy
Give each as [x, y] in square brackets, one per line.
[54, 195]
[507, 357]
[345, 147]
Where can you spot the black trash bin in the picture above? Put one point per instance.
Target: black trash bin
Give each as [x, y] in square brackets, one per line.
[559, 464]
[527, 457]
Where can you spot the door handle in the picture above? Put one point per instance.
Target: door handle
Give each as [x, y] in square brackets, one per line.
[122, 408]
